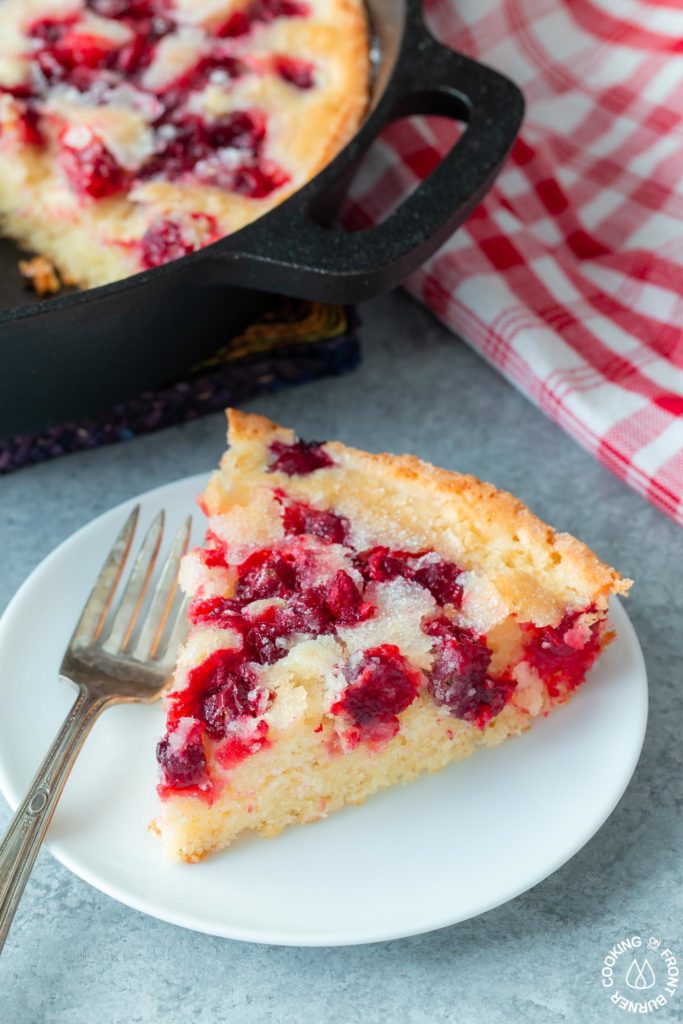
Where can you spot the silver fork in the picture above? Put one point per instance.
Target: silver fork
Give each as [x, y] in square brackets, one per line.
[111, 659]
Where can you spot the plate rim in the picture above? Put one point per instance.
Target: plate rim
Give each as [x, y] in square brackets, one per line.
[335, 938]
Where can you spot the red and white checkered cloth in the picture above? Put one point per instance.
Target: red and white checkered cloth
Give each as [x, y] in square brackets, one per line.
[569, 276]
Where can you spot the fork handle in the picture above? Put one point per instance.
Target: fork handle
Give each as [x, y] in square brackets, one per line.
[19, 848]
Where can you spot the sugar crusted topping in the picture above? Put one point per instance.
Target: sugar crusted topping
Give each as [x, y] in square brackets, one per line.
[346, 640]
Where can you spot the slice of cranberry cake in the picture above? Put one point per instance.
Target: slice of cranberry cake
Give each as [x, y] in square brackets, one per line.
[357, 620]
[133, 132]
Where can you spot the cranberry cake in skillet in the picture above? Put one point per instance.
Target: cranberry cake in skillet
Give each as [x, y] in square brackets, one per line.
[357, 620]
[133, 132]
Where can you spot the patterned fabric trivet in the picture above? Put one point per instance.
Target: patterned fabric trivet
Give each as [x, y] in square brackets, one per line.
[295, 343]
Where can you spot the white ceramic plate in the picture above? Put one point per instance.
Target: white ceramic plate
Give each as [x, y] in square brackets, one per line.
[441, 850]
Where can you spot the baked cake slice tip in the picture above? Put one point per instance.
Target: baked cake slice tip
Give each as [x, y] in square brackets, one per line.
[357, 620]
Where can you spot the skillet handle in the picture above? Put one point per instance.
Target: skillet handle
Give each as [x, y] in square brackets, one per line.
[288, 252]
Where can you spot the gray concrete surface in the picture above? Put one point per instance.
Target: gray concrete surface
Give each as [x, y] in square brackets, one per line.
[77, 957]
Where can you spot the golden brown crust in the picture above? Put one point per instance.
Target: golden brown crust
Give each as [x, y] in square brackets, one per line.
[503, 513]
[494, 513]
[41, 274]
[247, 426]
[352, 98]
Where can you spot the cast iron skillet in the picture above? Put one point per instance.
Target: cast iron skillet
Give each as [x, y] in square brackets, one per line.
[80, 354]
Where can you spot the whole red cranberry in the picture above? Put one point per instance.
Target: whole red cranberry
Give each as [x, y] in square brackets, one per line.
[295, 71]
[89, 166]
[240, 696]
[459, 679]
[298, 518]
[183, 763]
[560, 654]
[382, 684]
[298, 458]
[266, 574]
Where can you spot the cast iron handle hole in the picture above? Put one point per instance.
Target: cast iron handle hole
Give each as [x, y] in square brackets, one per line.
[424, 140]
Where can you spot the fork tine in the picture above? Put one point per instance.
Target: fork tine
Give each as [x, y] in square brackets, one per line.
[136, 587]
[97, 606]
[164, 594]
[180, 626]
